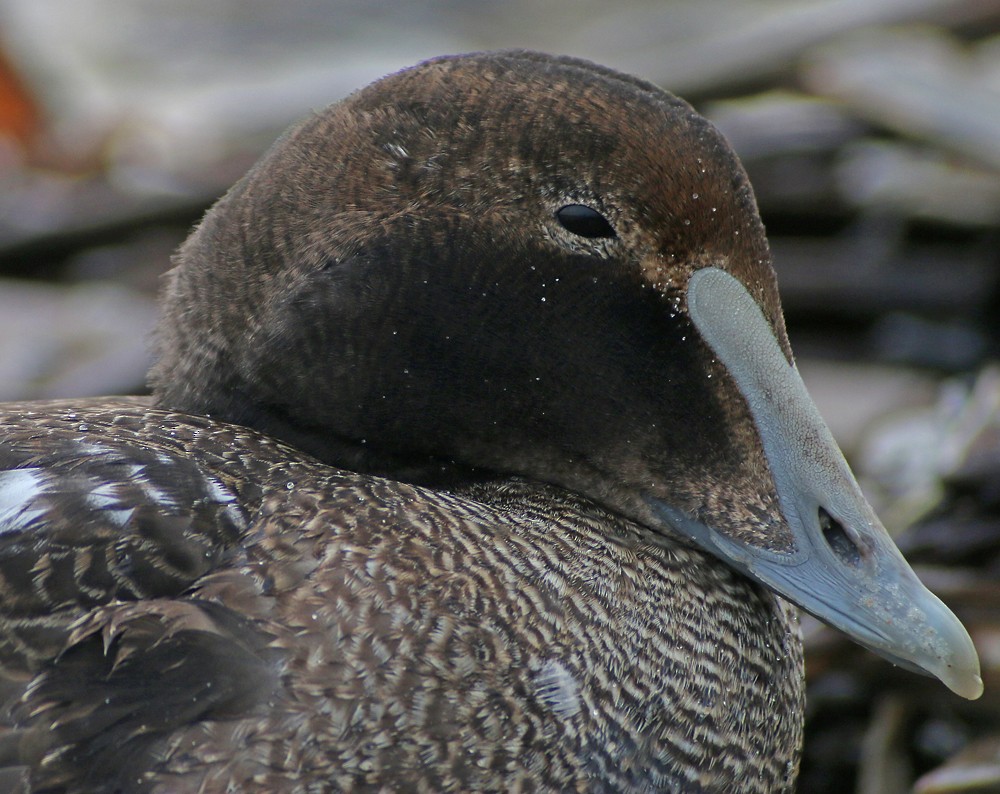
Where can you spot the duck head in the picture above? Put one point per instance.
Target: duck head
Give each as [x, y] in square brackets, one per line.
[520, 264]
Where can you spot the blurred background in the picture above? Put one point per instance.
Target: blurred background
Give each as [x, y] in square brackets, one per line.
[871, 131]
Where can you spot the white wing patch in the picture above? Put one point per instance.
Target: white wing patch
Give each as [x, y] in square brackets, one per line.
[557, 688]
[104, 497]
[19, 488]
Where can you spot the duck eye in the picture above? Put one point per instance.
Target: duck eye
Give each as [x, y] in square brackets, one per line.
[584, 221]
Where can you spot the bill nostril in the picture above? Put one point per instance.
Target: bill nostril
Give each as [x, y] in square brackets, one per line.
[838, 540]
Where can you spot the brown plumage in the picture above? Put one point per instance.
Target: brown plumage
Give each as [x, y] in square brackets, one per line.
[529, 485]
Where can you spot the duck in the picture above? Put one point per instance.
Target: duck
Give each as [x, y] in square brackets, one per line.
[476, 460]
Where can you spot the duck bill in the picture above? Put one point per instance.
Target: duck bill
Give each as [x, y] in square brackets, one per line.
[844, 568]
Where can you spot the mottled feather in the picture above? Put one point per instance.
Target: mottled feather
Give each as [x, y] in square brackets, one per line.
[364, 628]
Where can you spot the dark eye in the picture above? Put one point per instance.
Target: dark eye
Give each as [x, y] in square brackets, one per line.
[584, 221]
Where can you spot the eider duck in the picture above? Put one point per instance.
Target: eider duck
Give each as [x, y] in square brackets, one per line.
[477, 460]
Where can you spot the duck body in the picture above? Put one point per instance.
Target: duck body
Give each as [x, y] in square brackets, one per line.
[347, 632]
[477, 459]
